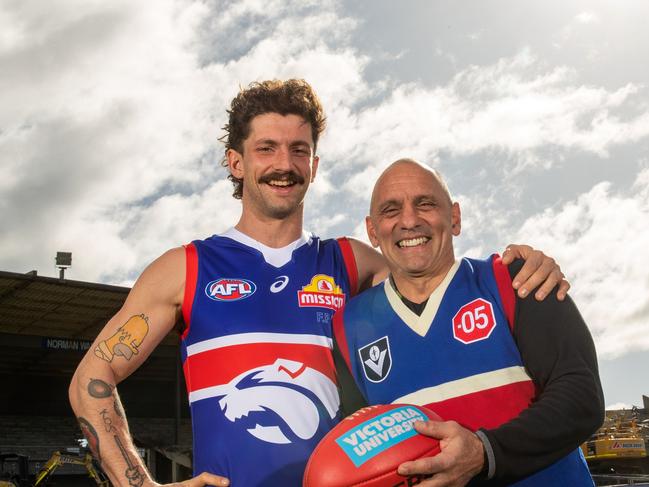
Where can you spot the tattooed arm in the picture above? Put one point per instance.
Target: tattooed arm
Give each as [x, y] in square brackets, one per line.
[149, 313]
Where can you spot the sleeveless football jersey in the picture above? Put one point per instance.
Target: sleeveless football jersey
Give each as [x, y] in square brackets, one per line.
[257, 355]
[458, 358]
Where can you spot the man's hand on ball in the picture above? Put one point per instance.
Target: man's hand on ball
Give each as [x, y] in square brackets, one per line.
[461, 458]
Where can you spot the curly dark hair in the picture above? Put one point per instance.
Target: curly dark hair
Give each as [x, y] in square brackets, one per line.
[293, 96]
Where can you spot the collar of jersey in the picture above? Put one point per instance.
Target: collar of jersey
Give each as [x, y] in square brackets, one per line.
[420, 324]
[275, 257]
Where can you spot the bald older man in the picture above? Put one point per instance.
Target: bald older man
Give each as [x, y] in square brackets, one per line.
[517, 379]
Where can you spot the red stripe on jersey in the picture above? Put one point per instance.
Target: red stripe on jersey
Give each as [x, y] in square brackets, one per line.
[191, 276]
[350, 264]
[341, 337]
[486, 409]
[507, 294]
[220, 366]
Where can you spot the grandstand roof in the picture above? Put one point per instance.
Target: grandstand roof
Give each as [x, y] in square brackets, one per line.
[41, 318]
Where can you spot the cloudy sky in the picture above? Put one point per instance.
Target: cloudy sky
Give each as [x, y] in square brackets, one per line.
[536, 112]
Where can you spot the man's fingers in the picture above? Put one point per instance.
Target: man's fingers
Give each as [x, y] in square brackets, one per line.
[527, 278]
[461, 455]
[435, 429]
[515, 251]
[422, 466]
[538, 271]
[429, 465]
[545, 278]
[564, 287]
[554, 278]
[205, 479]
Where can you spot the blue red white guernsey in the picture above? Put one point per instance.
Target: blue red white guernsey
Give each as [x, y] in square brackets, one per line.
[257, 353]
[463, 340]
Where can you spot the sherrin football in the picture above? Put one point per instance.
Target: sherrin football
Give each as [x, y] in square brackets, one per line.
[367, 447]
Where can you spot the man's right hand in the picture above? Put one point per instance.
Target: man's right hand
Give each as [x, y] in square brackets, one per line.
[202, 480]
[460, 459]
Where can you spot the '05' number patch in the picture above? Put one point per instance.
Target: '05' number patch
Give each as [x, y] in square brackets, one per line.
[474, 321]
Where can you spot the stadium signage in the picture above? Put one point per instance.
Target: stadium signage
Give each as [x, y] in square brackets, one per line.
[65, 344]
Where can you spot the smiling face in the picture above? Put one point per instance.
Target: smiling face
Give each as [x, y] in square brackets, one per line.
[413, 220]
[277, 165]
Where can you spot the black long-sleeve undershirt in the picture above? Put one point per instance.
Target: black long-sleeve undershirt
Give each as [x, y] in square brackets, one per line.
[559, 355]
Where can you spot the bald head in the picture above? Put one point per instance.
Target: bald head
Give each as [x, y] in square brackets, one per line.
[407, 165]
[413, 220]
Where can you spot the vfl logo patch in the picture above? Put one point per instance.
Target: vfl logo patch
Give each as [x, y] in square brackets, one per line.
[321, 292]
[230, 289]
[376, 359]
[370, 438]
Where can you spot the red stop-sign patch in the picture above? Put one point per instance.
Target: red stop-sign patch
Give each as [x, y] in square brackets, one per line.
[474, 321]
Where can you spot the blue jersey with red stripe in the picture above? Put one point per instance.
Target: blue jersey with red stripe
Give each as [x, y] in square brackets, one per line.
[458, 357]
[257, 355]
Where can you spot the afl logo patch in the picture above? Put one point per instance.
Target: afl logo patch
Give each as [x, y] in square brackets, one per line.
[230, 289]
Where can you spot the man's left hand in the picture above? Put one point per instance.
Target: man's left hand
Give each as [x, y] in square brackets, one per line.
[538, 270]
[461, 458]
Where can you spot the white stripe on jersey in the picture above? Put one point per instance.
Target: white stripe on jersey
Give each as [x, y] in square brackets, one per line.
[467, 385]
[250, 338]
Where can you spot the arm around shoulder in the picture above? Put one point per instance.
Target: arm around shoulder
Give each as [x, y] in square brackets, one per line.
[371, 265]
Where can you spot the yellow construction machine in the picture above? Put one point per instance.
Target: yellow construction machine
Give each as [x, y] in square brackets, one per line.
[619, 437]
[57, 459]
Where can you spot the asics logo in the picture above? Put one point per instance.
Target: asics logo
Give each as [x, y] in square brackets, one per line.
[279, 284]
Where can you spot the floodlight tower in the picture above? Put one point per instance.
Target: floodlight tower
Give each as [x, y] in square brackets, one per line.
[63, 261]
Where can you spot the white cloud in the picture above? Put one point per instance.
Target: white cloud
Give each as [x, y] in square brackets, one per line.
[517, 106]
[587, 17]
[111, 114]
[617, 406]
[602, 239]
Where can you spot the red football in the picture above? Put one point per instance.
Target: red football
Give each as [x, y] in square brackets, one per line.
[367, 447]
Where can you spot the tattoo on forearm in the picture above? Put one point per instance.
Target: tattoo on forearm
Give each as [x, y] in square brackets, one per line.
[99, 389]
[126, 340]
[132, 472]
[90, 434]
[108, 422]
[119, 409]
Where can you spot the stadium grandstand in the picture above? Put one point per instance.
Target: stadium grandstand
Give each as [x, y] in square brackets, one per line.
[46, 325]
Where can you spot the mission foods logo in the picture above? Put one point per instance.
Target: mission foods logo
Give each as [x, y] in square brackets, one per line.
[378, 434]
[230, 289]
[321, 292]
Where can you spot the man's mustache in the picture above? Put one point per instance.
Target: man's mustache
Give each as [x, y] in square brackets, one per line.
[290, 177]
